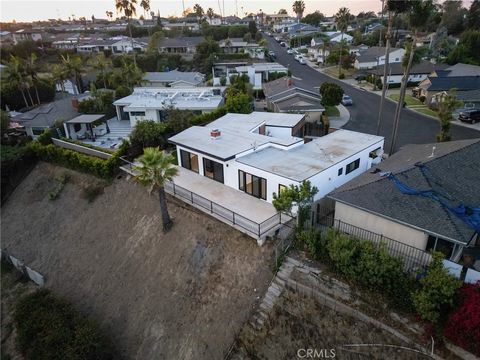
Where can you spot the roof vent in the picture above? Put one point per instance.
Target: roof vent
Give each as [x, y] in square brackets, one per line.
[215, 134]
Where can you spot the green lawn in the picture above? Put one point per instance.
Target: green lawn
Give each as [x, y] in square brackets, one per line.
[332, 111]
[333, 71]
[409, 99]
[427, 111]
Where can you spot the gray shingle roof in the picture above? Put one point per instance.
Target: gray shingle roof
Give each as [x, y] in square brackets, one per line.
[461, 83]
[46, 115]
[181, 41]
[424, 67]
[372, 53]
[454, 170]
[461, 69]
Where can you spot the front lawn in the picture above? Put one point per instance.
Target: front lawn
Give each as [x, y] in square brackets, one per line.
[332, 111]
[409, 99]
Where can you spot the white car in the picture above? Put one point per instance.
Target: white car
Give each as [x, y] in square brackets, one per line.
[302, 61]
[298, 57]
[290, 51]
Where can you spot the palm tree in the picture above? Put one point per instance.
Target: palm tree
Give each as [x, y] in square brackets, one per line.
[131, 74]
[155, 169]
[15, 75]
[128, 8]
[31, 71]
[394, 7]
[418, 15]
[73, 69]
[210, 14]
[198, 10]
[342, 17]
[298, 8]
[60, 75]
[102, 64]
[109, 15]
[446, 104]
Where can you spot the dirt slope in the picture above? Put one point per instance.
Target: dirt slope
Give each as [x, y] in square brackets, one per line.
[177, 296]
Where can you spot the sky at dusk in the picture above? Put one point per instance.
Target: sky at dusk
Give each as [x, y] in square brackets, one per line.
[29, 10]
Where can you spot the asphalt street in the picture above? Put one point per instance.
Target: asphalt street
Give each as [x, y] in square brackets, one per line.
[414, 127]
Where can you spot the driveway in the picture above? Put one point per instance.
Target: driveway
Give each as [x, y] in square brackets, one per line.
[414, 127]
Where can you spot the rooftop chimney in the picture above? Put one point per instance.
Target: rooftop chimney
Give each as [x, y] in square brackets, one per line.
[215, 134]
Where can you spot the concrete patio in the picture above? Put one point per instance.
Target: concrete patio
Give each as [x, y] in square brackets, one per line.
[254, 217]
[119, 130]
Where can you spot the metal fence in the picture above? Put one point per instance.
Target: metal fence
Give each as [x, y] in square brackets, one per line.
[413, 258]
[229, 216]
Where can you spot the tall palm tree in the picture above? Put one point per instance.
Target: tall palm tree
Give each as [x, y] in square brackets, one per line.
[210, 14]
[298, 8]
[60, 75]
[419, 14]
[102, 64]
[155, 169]
[15, 75]
[198, 10]
[128, 8]
[73, 68]
[394, 8]
[342, 17]
[31, 70]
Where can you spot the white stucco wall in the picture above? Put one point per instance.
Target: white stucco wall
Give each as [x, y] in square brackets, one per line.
[380, 225]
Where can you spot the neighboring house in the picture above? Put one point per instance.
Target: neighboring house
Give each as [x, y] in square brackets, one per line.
[119, 45]
[460, 69]
[26, 34]
[6, 37]
[185, 46]
[173, 78]
[357, 50]
[273, 19]
[151, 103]
[375, 56]
[426, 220]
[191, 26]
[300, 29]
[216, 20]
[257, 72]
[373, 27]
[418, 72]
[237, 45]
[434, 85]
[285, 95]
[470, 99]
[261, 153]
[317, 51]
[282, 25]
[37, 120]
[336, 37]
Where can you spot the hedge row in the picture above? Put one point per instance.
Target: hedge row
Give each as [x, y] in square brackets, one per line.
[77, 161]
[209, 117]
[361, 261]
[50, 328]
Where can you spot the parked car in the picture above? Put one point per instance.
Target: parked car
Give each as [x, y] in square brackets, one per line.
[302, 61]
[277, 39]
[347, 100]
[272, 54]
[290, 51]
[269, 34]
[298, 56]
[283, 44]
[470, 116]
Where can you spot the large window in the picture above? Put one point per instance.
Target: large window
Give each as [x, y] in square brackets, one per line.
[253, 185]
[38, 131]
[137, 113]
[438, 244]
[213, 170]
[352, 166]
[189, 160]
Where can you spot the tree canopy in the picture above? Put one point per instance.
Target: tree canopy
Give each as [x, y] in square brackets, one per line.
[331, 94]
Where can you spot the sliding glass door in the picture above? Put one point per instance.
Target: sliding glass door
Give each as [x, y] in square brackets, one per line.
[252, 185]
[189, 160]
[213, 170]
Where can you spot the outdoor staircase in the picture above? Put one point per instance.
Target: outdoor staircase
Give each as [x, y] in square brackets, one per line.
[118, 129]
[276, 288]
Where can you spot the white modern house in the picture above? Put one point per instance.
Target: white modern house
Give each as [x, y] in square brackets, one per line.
[258, 73]
[148, 103]
[336, 37]
[375, 56]
[260, 153]
[117, 45]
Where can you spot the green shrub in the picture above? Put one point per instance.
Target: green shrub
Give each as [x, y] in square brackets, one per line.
[49, 328]
[341, 76]
[312, 241]
[435, 298]
[45, 138]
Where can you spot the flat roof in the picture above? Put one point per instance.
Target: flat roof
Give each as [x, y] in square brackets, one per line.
[236, 136]
[302, 162]
[181, 98]
[85, 119]
[262, 67]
